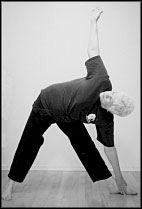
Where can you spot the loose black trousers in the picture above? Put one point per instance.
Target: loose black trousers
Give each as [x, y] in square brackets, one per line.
[32, 139]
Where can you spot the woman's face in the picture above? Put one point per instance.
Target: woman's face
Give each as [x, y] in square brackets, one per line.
[107, 99]
[112, 102]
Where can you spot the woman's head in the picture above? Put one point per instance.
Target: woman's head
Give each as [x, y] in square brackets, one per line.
[117, 103]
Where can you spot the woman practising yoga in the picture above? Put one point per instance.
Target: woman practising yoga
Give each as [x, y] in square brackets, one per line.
[71, 104]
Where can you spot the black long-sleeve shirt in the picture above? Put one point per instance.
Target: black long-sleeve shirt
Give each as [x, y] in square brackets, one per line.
[74, 100]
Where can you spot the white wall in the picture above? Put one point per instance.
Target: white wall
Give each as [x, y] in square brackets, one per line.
[45, 43]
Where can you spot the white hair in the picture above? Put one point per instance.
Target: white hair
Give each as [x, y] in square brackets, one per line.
[123, 105]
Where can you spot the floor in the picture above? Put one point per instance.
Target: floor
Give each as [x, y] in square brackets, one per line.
[69, 189]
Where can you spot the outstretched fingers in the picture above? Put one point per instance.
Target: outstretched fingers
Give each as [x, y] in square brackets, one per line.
[96, 13]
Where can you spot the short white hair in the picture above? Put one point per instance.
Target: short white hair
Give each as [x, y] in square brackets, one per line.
[123, 105]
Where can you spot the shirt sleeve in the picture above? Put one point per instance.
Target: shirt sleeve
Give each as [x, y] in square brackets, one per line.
[95, 67]
[105, 134]
[105, 129]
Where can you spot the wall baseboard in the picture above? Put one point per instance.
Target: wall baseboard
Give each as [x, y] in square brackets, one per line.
[131, 168]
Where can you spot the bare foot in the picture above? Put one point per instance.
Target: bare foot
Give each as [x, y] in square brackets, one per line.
[7, 194]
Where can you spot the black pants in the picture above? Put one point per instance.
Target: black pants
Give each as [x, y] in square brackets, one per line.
[32, 139]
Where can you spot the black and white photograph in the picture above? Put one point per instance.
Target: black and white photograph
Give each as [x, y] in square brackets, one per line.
[70, 78]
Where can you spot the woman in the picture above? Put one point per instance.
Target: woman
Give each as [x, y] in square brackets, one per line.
[70, 105]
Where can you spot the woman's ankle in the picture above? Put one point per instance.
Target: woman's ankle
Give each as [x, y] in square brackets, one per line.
[10, 183]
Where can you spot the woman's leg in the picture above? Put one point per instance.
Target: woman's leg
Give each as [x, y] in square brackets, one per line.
[28, 148]
[86, 150]
[29, 145]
